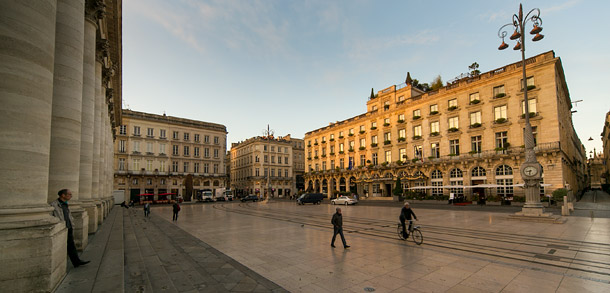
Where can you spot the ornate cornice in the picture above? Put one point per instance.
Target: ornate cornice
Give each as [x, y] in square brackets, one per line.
[101, 50]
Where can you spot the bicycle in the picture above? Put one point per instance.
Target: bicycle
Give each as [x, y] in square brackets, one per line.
[418, 238]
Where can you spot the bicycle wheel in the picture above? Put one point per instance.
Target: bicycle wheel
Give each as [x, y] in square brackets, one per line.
[417, 237]
[399, 231]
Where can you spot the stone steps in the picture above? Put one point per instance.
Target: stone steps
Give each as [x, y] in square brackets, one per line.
[105, 251]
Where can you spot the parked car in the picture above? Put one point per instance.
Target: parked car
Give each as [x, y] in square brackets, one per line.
[251, 197]
[344, 200]
[207, 196]
[315, 198]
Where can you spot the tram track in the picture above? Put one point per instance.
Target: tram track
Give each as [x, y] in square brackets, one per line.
[571, 254]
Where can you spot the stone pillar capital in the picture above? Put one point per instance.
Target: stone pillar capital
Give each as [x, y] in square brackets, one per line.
[94, 10]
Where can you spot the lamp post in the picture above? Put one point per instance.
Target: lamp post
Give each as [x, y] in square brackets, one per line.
[269, 134]
[530, 169]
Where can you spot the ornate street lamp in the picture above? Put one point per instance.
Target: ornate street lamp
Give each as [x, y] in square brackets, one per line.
[530, 169]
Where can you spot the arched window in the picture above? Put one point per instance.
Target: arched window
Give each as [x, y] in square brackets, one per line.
[456, 173]
[418, 174]
[437, 174]
[478, 172]
[504, 170]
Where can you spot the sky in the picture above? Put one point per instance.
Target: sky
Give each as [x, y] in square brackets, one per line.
[298, 65]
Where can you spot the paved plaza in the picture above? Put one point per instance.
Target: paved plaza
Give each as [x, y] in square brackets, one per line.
[258, 247]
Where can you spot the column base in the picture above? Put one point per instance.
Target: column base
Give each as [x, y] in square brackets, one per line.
[34, 250]
[91, 209]
[100, 211]
[80, 227]
[536, 215]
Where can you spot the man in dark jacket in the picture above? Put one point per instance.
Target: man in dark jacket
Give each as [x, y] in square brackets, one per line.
[337, 222]
[176, 209]
[61, 211]
[405, 214]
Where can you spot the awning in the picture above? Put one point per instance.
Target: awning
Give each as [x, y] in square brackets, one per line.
[146, 194]
[521, 185]
[167, 193]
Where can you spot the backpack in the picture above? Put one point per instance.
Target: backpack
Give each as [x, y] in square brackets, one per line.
[178, 207]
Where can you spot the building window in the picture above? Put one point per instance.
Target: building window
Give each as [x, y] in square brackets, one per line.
[500, 113]
[206, 139]
[416, 114]
[136, 146]
[401, 98]
[474, 98]
[434, 150]
[162, 148]
[498, 92]
[273, 158]
[502, 140]
[136, 130]
[174, 166]
[162, 181]
[341, 147]
[332, 137]
[452, 104]
[122, 146]
[418, 151]
[417, 131]
[388, 156]
[150, 132]
[323, 165]
[174, 150]
[402, 134]
[386, 121]
[257, 172]
[530, 83]
[286, 160]
[342, 163]
[196, 137]
[135, 181]
[363, 142]
[215, 168]
[374, 159]
[531, 105]
[454, 147]
[175, 136]
[478, 172]
[121, 164]
[475, 118]
[351, 145]
[149, 165]
[206, 152]
[206, 168]
[186, 167]
[386, 105]
[123, 129]
[351, 131]
[362, 130]
[332, 164]
[387, 136]
[162, 166]
[433, 109]
[374, 139]
[362, 160]
[434, 127]
[402, 154]
[187, 136]
[149, 147]
[216, 140]
[196, 151]
[535, 133]
[279, 159]
[454, 123]
[215, 153]
[401, 118]
[285, 172]
[374, 125]
[475, 144]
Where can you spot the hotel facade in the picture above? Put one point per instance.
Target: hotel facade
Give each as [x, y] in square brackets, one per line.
[160, 157]
[465, 138]
[258, 160]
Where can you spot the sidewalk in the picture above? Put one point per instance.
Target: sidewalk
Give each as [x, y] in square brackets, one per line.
[131, 253]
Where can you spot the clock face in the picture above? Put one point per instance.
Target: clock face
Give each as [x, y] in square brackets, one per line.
[530, 171]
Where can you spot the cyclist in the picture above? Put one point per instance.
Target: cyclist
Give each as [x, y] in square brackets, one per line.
[405, 214]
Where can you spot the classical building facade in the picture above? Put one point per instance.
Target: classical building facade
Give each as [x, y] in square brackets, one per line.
[164, 156]
[261, 160]
[606, 152]
[61, 96]
[465, 134]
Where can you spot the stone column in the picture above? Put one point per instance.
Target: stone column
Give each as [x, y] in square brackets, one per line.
[33, 243]
[95, 179]
[64, 162]
[87, 120]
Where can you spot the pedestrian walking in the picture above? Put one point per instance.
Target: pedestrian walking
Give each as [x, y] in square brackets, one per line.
[337, 222]
[62, 211]
[176, 207]
[146, 209]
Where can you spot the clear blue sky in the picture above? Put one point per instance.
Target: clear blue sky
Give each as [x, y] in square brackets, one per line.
[298, 65]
